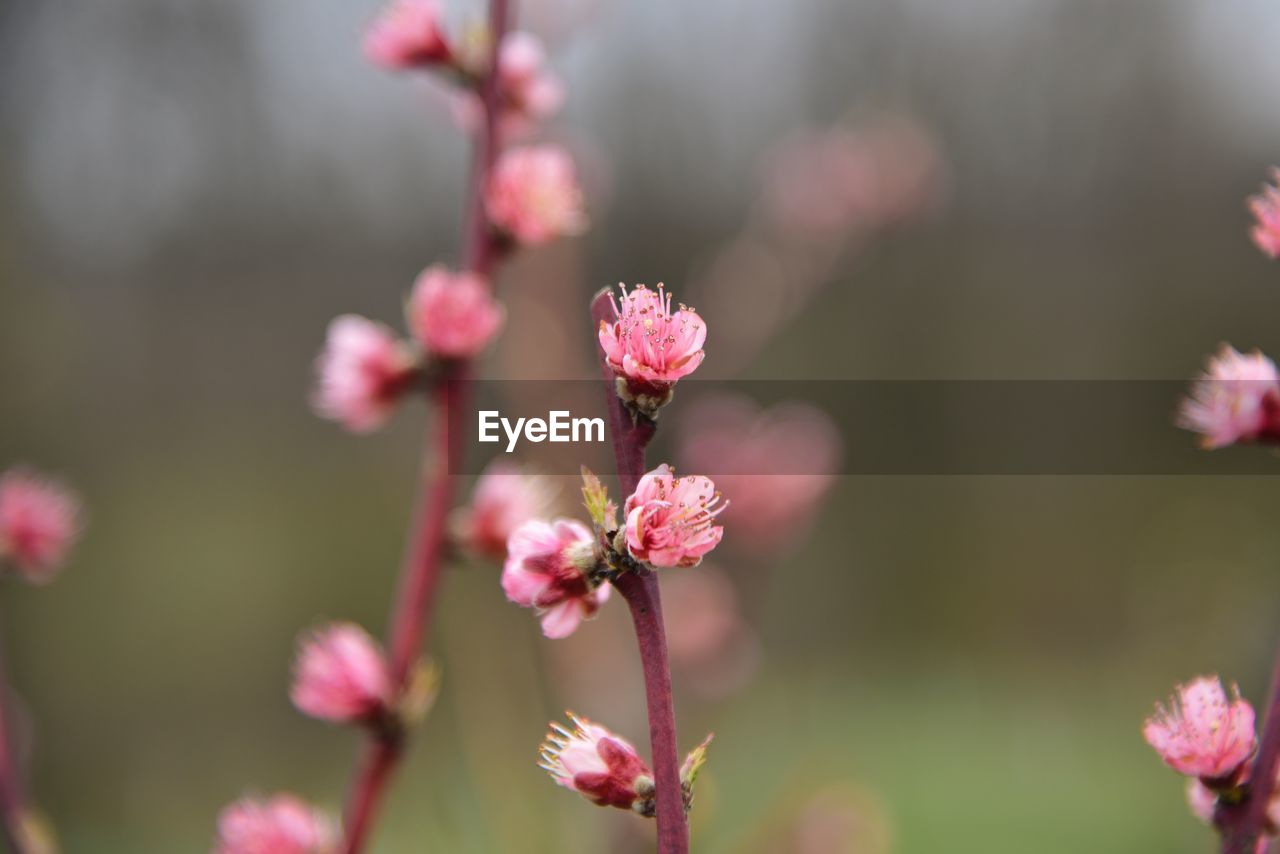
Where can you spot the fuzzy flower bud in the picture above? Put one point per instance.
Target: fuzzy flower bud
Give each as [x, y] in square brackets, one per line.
[670, 520]
[340, 675]
[533, 195]
[283, 824]
[39, 522]
[407, 34]
[363, 372]
[453, 315]
[546, 569]
[1236, 399]
[528, 91]
[1203, 732]
[1266, 213]
[504, 499]
[649, 347]
[602, 767]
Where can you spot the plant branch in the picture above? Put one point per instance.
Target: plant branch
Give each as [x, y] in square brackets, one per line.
[420, 576]
[630, 438]
[1242, 824]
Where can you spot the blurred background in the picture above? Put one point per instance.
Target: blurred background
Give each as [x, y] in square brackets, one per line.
[191, 190]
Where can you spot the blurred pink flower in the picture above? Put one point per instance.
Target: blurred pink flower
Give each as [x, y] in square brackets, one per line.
[1236, 399]
[1266, 213]
[528, 91]
[1201, 799]
[407, 34]
[546, 570]
[709, 641]
[283, 824]
[533, 194]
[363, 372]
[776, 465]
[340, 675]
[453, 314]
[504, 498]
[1203, 732]
[39, 522]
[649, 347]
[602, 767]
[670, 520]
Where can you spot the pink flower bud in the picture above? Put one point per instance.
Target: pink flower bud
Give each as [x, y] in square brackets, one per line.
[528, 91]
[504, 499]
[670, 520]
[602, 767]
[1266, 211]
[407, 34]
[1237, 399]
[1201, 800]
[282, 825]
[546, 570]
[533, 195]
[453, 314]
[38, 524]
[363, 372]
[1203, 733]
[340, 675]
[649, 347]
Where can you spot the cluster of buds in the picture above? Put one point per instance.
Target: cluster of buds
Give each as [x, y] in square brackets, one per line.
[561, 568]
[1208, 735]
[649, 347]
[605, 769]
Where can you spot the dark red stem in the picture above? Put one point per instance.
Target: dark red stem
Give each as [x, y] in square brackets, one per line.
[420, 576]
[1242, 824]
[630, 438]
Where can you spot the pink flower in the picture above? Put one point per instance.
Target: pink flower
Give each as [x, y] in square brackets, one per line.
[504, 498]
[453, 314]
[340, 675]
[1201, 799]
[363, 372]
[533, 195]
[776, 464]
[670, 520]
[545, 570]
[528, 91]
[1237, 399]
[39, 522]
[282, 825]
[1266, 211]
[1203, 733]
[649, 347]
[407, 34]
[712, 647]
[602, 767]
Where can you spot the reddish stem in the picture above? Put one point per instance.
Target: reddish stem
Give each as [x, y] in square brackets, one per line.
[420, 575]
[1242, 824]
[630, 438]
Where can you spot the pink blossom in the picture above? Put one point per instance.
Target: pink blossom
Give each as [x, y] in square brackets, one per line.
[710, 642]
[1266, 211]
[340, 675]
[545, 570]
[533, 195]
[453, 314]
[775, 464]
[1203, 732]
[670, 520]
[528, 91]
[1236, 399]
[504, 498]
[363, 372]
[602, 767]
[283, 824]
[649, 347]
[407, 34]
[39, 522]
